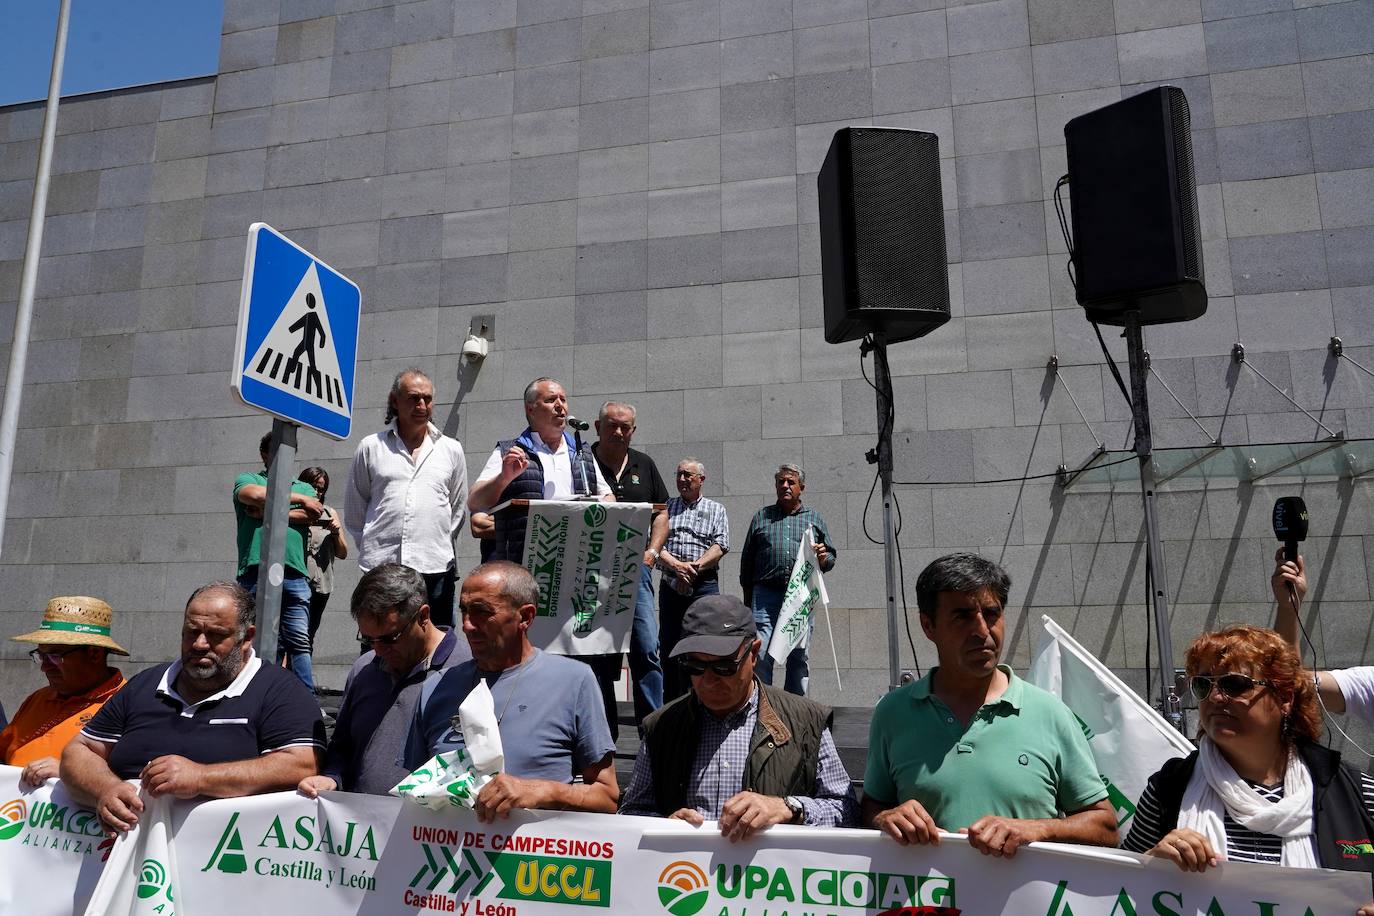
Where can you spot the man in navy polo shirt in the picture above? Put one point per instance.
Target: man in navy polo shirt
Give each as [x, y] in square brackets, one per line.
[407, 649]
[217, 722]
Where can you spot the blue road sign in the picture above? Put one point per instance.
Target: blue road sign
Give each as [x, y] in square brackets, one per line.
[296, 352]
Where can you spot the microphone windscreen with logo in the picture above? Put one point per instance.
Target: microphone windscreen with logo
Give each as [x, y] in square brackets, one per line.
[1290, 524]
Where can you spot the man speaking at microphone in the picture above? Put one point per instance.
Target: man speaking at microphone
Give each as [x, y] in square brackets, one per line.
[543, 462]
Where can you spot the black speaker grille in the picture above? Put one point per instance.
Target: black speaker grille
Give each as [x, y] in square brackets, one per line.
[1184, 183]
[900, 260]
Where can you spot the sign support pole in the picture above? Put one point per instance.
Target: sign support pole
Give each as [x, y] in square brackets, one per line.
[275, 521]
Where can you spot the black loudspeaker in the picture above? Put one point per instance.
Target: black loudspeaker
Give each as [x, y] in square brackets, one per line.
[882, 234]
[1134, 204]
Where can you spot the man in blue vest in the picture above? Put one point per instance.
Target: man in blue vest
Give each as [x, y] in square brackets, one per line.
[541, 463]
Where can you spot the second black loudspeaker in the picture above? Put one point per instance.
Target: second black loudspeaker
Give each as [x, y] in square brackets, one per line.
[1137, 246]
[882, 228]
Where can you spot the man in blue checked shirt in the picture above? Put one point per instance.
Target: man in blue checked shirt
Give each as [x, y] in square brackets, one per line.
[734, 750]
[688, 551]
[765, 565]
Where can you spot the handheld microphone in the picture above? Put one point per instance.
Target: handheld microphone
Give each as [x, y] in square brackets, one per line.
[582, 426]
[1290, 524]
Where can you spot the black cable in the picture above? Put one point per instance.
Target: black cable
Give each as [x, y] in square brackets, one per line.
[867, 503]
[901, 572]
[1149, 608]
[1111, 363]
[978, 483]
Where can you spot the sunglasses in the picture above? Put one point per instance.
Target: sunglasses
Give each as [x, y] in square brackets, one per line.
[55, 657]
[1231, 685]
[390, 639]
[723, 667]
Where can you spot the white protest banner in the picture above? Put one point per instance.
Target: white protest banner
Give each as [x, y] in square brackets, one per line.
[585, 558]
[51, 849]
[805, 592]
[140, 877]
[1129, 739]
[351, 854]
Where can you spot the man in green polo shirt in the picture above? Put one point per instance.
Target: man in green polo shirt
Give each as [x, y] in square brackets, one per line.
[973, 748]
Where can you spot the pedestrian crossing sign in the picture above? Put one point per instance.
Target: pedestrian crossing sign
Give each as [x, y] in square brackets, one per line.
[296, 351]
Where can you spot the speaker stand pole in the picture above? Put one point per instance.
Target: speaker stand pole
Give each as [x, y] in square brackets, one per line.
[1169, 702]
[882, 381]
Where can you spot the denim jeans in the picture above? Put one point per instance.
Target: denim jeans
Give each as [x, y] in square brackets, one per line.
[672, 607]
[767, 605]
[440, 587]
[646, 673]
[293, 635]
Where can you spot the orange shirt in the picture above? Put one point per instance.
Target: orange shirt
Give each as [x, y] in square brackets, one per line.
[47, 721]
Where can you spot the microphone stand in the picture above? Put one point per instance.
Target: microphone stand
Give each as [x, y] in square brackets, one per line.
[577, 458]
[882, 456]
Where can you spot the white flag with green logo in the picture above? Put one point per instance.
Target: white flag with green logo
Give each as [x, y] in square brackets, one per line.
[140, 875]
[1129, 739]
[805, 595]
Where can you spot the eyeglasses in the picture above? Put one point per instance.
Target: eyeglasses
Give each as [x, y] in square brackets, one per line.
[1231, 685]
[390, 639]
[722, 667]
[687, 475]
[55, 657]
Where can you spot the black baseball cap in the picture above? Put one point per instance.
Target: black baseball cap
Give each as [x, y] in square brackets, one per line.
[715, 625]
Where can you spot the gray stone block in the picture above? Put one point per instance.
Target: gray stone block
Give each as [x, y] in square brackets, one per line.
[611, 267]
[1342, 141]
[1054, 111]
[1226, 9]
[1162, 54]
[759, 202]
[483, 16]
[468, 280]
[543, 133]
[305, 40]
[686, 22]
[531, 11]
[1138, 15]
[187, 100]
[755, 254]
[684, 211]
[232, 173]
[412, 194]
[976, 516]
[1337, 30]
[993, 127]
[1244, 43]
[541, 274]
[416, 149]
[240, 130]
[757, 154]
[1283, 322]
[360, 113]
[832, 96]
[366, 30]
[835, 47]
[365, 71]
[126, 227]
[811, 409]
[756, 57]
[1347, 256]
[915, 36]
[248, 50]
[990, 75]
[1271, 205]
[426, 62]
[676, 115]
[760, 305]
[688, 67]
[1268, 149]
[1003, 286]
[299, 122]
[612, 171]
[554, 86]
[423, 20]
[544, 178]
[615, 34]
[1016, 340]
[761, 358]
[535, 323]
[754, 17]
[545, 225]
[684, 363]
[1346, 198]
[611, 317]
[684, 311]
[1274, 263]
[685, 260]
[1040, 398]
[307, 79]
[1335, 86]
[240, 15]
[622, 76]
[617, 123]
[475, 232]
[1066, 66]
[991, 26]
[351, 245]
[243, 89]
[610, 368]
[1005, 231]
[1066, 20]
[548, 43]
[69, 193]
[753, 106]
[911, 86]
[1249, 96]
[355, 157]
[482, 140]
[682, 163]
[485, 96]
[179, 179]
[1350, 306]
[614, 218]
[400, 335]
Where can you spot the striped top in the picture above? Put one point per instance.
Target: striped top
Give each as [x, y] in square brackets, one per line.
[1242, 843]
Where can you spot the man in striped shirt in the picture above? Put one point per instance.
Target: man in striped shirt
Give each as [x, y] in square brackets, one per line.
[689, 553]
[765, 565]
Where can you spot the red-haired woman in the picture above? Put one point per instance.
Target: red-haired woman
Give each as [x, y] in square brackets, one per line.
[1258, 788]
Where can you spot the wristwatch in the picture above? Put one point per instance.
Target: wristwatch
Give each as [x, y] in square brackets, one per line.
[795, 806]
[652, 553]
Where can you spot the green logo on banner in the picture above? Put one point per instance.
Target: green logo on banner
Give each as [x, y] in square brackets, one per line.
[683, 888]
[228, 855]
[12, 816]
[152, 877]
[595, 516]
[550, 879]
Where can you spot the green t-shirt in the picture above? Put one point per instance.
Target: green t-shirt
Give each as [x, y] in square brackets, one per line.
[1023, 756]
[250, 529]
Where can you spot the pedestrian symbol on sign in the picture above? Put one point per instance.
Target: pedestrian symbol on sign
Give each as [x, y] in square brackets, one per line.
[277, 361]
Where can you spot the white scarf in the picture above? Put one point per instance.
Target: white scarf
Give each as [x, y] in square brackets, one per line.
[1216, 788]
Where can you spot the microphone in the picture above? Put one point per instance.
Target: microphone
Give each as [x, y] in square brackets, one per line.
[583, 426]
[1290, 524]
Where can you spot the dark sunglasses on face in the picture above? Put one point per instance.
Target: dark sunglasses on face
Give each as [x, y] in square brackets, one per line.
[723, 667]
[390, 639]
[55, 657]
[1231, 685]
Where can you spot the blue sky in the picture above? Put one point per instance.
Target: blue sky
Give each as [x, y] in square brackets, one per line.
[110, 44]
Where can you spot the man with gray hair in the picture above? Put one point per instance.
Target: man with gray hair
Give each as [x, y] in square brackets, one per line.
[540, 463]
[407, 493]
[216, 722]
[766, 561]
[688, 549]
[405, 650]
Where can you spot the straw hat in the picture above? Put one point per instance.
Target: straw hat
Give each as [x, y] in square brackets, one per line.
[75, 621]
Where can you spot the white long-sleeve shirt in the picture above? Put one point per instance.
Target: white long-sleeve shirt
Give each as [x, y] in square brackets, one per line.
[400, 509]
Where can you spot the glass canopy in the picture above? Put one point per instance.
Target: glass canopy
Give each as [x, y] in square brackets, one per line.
[1223, 465]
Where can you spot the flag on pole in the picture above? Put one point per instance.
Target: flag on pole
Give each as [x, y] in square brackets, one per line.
[805, 590]
[1129, 739]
